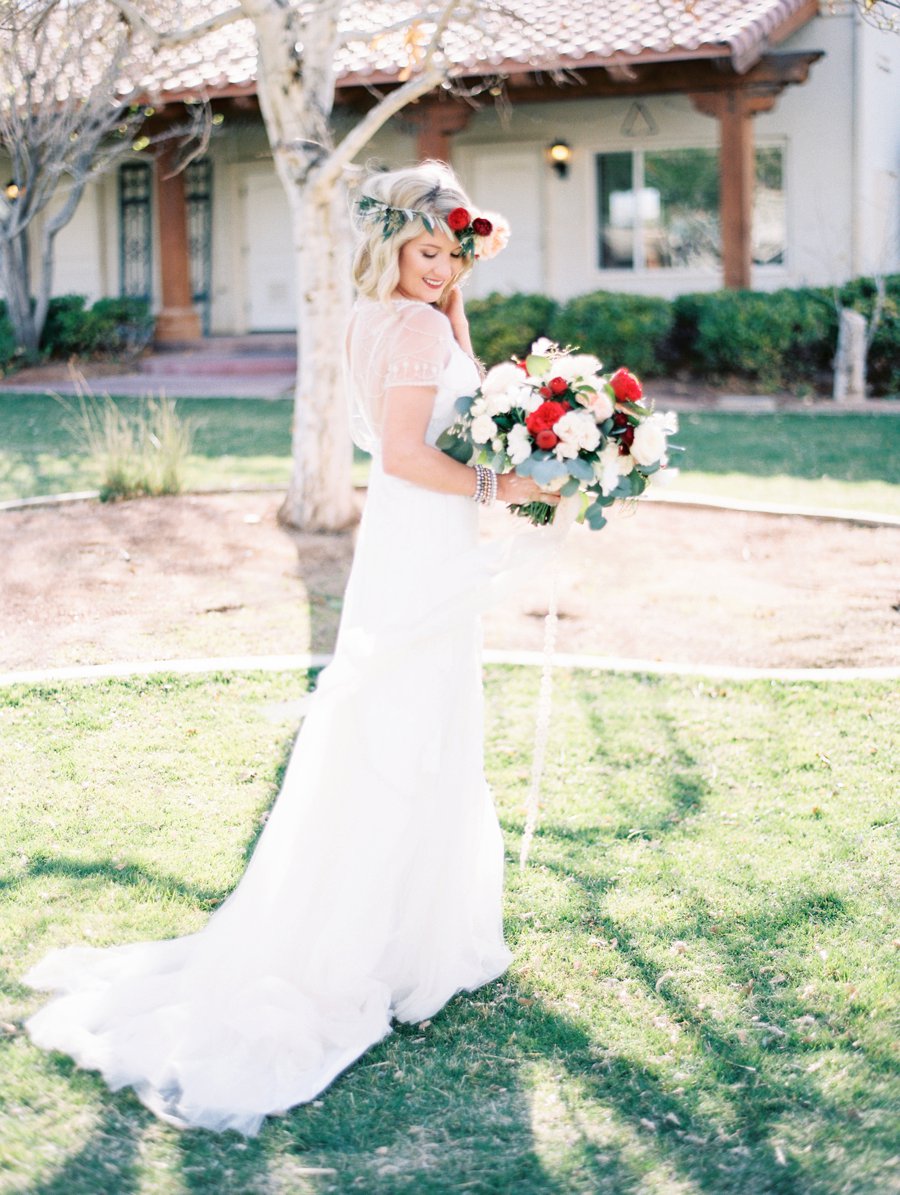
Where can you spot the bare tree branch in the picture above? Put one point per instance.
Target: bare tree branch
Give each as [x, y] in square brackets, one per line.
[175, 37]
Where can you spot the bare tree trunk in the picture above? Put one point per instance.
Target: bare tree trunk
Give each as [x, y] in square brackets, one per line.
[850, 359]
[15, 271]
[320, 495]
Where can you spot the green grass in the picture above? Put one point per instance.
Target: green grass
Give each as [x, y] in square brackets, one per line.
[847, 461]
[844, 460]
[701, 996]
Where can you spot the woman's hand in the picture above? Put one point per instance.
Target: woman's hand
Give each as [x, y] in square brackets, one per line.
[519, 491]
[454, 308]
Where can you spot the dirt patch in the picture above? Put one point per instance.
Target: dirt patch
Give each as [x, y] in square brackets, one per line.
[216, 575]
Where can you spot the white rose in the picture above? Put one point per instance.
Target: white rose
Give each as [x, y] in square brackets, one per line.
[577, 429]
[579, 365]
[518, 444]
[529, 398]
[484, 429]
[649, 443]
[478, 407]
[599, 404]
[610, 466]
[541, 346]
[502, 377]
[499, 403]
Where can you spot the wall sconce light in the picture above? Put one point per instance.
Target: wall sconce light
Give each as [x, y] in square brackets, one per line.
[11, 191]
[559, 154]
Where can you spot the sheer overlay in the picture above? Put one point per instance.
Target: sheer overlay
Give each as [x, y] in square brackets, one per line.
[375, 889]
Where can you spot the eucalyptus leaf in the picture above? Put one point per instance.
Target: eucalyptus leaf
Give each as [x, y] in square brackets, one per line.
[536, 365]
[546, 471]
[570, 489]
[583, 470]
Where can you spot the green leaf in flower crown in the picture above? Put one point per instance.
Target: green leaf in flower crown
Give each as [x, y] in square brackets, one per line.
[536, 365]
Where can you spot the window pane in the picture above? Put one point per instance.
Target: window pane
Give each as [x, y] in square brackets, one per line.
[769, 224]
[680, 208]
[616, 194]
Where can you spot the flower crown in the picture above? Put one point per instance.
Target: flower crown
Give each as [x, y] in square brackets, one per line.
[478, 236]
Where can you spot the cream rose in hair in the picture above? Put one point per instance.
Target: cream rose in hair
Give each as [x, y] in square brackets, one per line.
[497, 239]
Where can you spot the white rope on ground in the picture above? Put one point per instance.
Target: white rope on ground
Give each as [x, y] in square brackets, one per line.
[542, 721]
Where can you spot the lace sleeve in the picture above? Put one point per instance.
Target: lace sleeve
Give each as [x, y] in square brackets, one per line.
[420, 350]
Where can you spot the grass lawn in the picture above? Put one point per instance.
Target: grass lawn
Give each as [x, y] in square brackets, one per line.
[839, 461]
[704, 966]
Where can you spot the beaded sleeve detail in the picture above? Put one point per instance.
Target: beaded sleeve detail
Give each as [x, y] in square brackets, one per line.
[388, 346]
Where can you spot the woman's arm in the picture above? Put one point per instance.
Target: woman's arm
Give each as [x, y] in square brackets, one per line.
[405, 454]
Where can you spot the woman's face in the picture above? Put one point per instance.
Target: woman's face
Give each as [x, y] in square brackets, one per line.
[429, 263]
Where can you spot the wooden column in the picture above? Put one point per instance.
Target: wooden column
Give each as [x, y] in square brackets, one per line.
[178, 319]
[435, 124]
[735, 108]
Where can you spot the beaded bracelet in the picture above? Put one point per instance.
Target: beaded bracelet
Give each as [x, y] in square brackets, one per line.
[485, 485]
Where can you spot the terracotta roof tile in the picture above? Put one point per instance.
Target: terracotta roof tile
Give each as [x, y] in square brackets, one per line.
[550, 35]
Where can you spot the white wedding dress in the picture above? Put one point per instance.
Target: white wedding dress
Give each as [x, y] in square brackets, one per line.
[375, 889]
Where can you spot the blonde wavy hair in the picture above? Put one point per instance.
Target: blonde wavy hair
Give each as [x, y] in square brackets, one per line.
[431, 188]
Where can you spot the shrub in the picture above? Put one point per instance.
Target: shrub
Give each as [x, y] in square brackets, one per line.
[620, 329]
[8, 346]
[111, 326]
[775, 339]
[884, 354]
[506, 325]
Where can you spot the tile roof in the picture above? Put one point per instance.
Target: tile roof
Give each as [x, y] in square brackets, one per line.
[523, 35]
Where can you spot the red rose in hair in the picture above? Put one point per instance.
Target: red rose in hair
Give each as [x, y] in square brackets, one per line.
[625, 386]
[458, 219]
[481, 227]
[543, 419]
[546, 439]
[558, 385]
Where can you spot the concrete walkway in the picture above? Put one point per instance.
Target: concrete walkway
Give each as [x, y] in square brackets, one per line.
[528, 659]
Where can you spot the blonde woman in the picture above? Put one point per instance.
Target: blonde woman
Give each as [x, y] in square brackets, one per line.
[374, 892]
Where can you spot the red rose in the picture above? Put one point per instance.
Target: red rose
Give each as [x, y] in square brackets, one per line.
[546, 439]
[545, 392]
[458, 219]
[558, 385]
[543, 419]
[626, 440]
[620, 419]
[625, 386]
[481, 227]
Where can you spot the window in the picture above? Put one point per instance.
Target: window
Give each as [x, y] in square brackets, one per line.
[659, 209]
[135, 257]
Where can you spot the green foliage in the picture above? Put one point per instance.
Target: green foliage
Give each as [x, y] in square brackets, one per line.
[504, 326]
[630, 330]
[776, 339]
[884, 355]
[8, 345]
[111, 327]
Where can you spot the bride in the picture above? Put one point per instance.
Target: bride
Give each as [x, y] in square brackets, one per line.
[375, 890]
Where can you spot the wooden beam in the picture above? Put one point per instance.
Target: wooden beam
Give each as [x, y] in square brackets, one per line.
[178, 319]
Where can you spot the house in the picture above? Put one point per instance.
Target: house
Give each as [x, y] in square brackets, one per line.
[656, 148]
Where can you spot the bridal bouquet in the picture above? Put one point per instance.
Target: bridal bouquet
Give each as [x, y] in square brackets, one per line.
[556, 418]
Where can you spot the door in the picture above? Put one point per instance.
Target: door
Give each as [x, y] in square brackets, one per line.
[271, 293]
[508, 181]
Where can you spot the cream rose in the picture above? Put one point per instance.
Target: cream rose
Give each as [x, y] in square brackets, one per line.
[518, 444]
[649, 444]
[484, 429]
[576, 430]
[502, 377]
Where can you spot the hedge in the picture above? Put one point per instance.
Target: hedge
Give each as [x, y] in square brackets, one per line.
[503, 326]
[110, 327]
[772, 339]
[620, 329]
